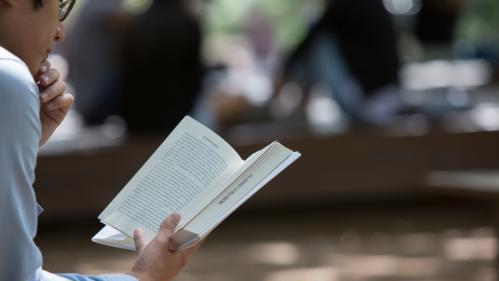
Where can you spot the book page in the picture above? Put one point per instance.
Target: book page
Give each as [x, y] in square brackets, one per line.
[175, 178]
[111, 237]
[184, 238]
[246, 184]
[223, 185]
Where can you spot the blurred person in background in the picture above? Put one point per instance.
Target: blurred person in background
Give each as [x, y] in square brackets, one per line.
[33, 103]
[96, 76]
[351, 50]
[162, 67]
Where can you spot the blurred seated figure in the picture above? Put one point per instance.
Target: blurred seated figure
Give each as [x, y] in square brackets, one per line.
[162, 67]
[351, 50]
[93, 60]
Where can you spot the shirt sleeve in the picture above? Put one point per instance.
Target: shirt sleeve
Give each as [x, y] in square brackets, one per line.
[19, 139]
[20, 130]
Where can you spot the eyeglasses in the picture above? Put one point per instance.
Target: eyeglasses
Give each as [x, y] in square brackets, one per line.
[65, 7]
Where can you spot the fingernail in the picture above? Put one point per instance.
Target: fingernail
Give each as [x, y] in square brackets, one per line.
[44, 68]
[176, 218]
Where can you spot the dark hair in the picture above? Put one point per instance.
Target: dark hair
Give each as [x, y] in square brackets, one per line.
[38, 4]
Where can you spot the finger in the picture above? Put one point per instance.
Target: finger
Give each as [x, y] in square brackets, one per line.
[48, 77]
[61, 102]
[53, 91]
[138, 239]
[53, 104]
[44, 67]
[167, 228]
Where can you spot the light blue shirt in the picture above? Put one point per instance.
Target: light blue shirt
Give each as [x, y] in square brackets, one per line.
[20, 129]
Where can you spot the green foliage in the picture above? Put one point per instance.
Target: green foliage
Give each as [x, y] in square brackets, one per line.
[289, 18]
[480, 22]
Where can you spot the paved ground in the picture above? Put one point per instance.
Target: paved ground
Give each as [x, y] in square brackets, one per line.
[431, 241]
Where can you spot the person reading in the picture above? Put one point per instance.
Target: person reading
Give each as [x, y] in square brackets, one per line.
[33, 103]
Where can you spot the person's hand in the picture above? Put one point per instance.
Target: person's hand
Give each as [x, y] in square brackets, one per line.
[155, 261]
[55, 103]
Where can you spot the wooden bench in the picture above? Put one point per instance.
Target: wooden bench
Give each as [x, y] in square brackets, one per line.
[349, 167]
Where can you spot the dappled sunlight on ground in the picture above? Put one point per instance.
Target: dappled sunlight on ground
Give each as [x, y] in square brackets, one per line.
[392, 243]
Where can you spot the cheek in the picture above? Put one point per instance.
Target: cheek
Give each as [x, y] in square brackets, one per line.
[49, 19]
[47, 33]
[42, 41]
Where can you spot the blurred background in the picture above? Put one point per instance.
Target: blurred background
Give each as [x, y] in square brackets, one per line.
[394, 105]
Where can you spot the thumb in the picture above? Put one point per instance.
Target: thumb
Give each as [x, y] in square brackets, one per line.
[138, 239]
[44, 67]
[168, 227]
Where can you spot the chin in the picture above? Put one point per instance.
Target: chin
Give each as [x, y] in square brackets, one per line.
[33, 68]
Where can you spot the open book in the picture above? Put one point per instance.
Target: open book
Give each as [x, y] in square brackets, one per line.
[195, 173]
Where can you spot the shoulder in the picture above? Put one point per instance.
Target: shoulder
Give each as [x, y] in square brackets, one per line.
[18, 90]
[16, 82]
[19, 102]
